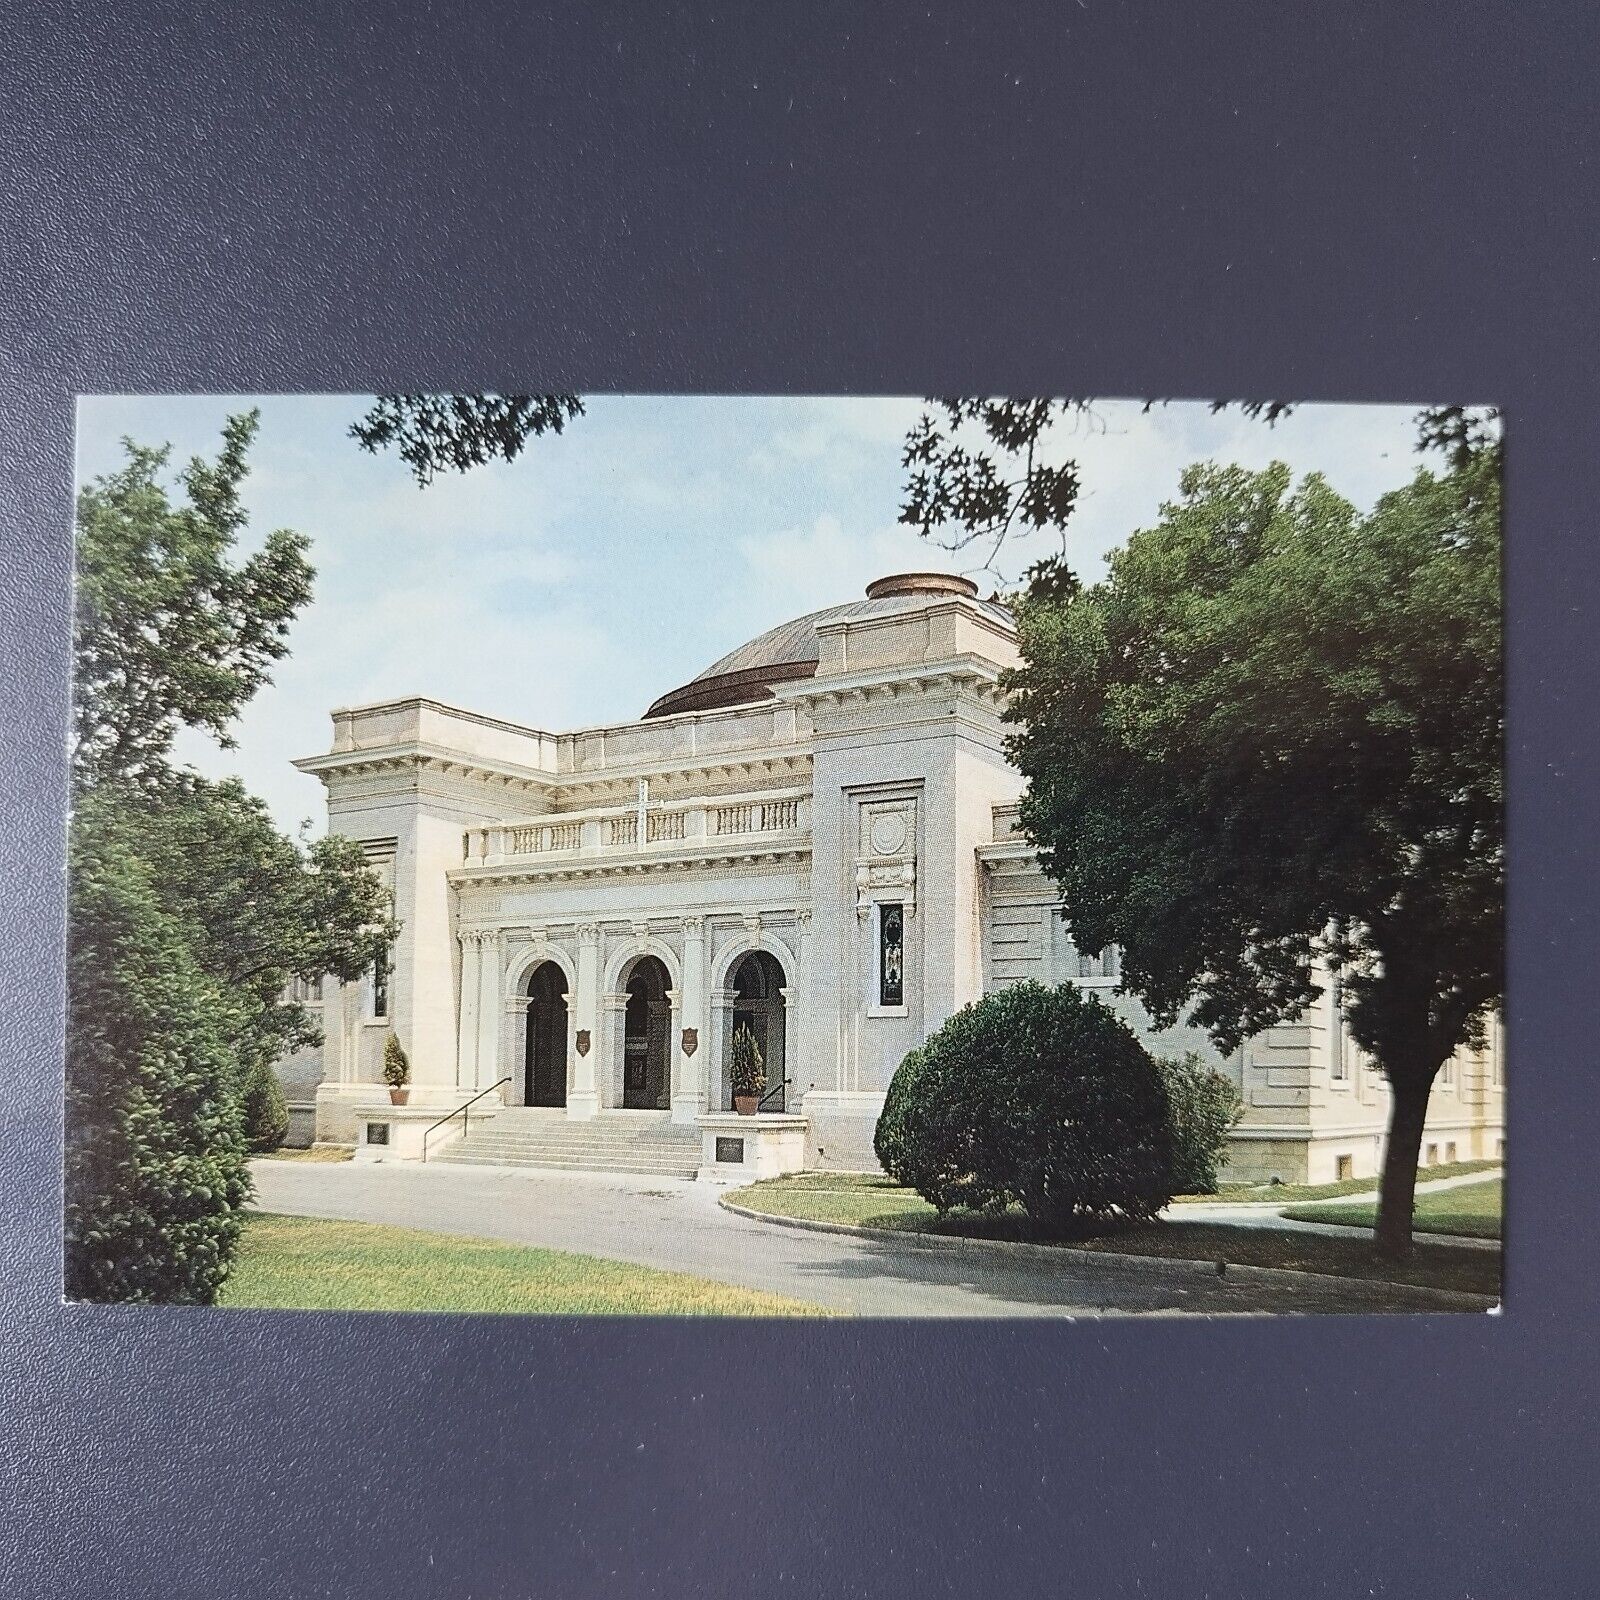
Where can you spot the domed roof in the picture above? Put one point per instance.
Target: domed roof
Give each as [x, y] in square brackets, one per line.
[792, 649]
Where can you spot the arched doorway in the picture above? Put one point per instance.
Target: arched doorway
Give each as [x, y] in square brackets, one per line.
[545, 1058]
[758, 1005]
[647, 1038]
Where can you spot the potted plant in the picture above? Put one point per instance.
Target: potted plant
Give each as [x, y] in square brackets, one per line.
[396, 1070]
[748, 1072]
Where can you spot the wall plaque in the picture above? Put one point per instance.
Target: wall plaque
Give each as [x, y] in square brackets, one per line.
[731, 1151]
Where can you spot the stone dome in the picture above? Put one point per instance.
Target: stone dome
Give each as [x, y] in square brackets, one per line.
[791, 650]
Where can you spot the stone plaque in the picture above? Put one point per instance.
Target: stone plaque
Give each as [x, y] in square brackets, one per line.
[377, 1133]
[731, 1151]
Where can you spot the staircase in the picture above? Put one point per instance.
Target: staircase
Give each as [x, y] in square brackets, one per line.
[618, 1141]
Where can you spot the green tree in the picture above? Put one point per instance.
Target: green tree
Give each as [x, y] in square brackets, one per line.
[259, 909]
[266, 1111]
[155, 1157]
[452, 432]
[169, 630]
[1272, 738]
[190, 914]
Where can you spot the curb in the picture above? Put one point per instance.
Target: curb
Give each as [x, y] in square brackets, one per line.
[1441, 1299]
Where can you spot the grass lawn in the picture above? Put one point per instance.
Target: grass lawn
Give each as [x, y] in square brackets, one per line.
[1473, 1210]
[878, 1202]
[316, 1152]
[1283, 1194]
[311, 1264]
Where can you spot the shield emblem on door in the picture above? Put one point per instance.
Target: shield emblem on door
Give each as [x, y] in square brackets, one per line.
[691, 1041]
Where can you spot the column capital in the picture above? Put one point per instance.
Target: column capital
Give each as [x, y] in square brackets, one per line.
[589, 933]
[693, 927]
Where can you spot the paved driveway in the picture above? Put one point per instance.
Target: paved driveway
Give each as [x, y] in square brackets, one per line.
[678, 1225]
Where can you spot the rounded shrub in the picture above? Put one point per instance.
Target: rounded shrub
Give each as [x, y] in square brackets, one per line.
[1202, 1105]
[1035, 1097]
[266, 1112]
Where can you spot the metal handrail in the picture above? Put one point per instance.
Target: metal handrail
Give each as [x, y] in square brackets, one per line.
[777, 1088]
[460, 1111]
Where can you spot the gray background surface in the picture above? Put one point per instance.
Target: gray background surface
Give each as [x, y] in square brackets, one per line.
[1361, 202]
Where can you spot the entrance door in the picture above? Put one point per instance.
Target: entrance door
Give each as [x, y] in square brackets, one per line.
[759, 1006]
[647, 1039]
[545, 1062]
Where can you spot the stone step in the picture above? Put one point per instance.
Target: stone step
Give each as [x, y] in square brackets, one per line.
[643, 1167]
[631, 1141]
[647, 1143]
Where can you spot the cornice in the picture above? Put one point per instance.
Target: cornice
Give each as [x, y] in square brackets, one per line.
[739, 862]
[563, 790]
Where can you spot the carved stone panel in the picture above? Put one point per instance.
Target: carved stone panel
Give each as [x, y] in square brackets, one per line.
[886, 853]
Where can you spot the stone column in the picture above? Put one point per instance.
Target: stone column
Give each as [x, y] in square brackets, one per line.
[467, 1015]
[721, 1039]
[610, 1047]
[689, 1068]
[583, 1099]
[794, 999]
[791, 1036]
[488, 1010]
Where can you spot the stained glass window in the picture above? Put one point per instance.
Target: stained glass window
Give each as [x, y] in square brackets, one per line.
[891, 955]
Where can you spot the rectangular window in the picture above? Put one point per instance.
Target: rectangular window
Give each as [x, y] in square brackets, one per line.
[1105, 963]
[891, 955]
[1338, 1068]
[1449, 1154]
[380, 985]
[1432, 1157]
[1345, 1168]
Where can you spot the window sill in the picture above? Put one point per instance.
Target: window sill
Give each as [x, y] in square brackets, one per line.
[888, 1011]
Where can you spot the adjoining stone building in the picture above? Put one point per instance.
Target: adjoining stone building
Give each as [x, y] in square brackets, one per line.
[815, 838]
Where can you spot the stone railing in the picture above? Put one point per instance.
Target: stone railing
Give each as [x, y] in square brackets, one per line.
[677, 824]
[756, 816]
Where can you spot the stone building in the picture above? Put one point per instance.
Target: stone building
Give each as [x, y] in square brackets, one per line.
[815, 838]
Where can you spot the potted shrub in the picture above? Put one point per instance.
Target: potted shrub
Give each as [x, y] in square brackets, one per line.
[396, 1070]
[748, 1072]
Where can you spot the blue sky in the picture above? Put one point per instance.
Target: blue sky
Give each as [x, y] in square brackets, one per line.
[573, 586]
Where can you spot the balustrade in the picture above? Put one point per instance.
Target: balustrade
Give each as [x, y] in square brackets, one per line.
[689, 823]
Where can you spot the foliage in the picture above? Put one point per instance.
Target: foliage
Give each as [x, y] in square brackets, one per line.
[190, 914]
[1272, 737]
[452, 432]
[1035, 1097]
[266, 1112]
[168, 631]
[260, 909]
[891, 1139]
[746, 1070]
[396, 1063]
[155, 1161]
[1202, 1106]
[979, 470]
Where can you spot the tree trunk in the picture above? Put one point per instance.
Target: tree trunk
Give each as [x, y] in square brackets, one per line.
[1397, 1192]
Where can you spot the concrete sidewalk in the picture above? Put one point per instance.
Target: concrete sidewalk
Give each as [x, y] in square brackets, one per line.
[1269, 1214]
